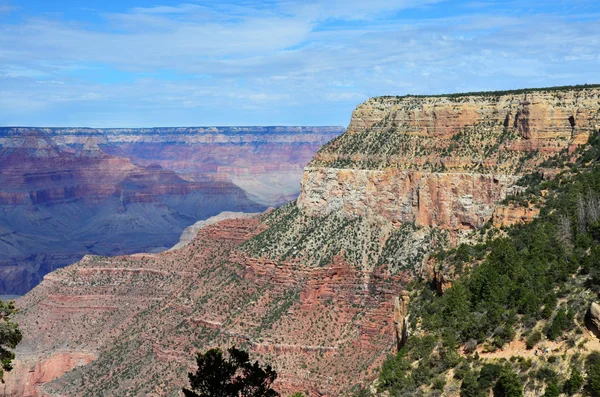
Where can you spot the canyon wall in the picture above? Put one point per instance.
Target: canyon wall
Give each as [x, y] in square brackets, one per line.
[445, 161]
[131, 325]
[316, 287]
[266, 162]
[68, 192]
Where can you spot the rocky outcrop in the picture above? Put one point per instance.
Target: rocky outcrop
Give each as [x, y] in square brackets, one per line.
[401, 319]
[592, 318]
[444, 161]
[27, 377]
[190, 232]
[511, 214]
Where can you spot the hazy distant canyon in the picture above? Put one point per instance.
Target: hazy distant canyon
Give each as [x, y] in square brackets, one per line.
[66, 192]
[316, 287]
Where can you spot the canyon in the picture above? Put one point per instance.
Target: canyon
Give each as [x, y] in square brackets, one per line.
[65, 193]
[266, 162]
[316, 287]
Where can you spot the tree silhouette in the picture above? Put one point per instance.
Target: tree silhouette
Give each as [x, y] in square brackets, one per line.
[234, 376]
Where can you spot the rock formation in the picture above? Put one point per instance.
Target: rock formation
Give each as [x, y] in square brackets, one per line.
[190, 232]
[57, 204]
[142, 317]
[401, 319]
[444, 161]
[266, 162]
[315, 288]
[68, 192]
[592, 318]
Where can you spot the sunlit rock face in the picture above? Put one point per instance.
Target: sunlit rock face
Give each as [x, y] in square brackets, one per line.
[315, 288]
[444, 161]
[68, 192]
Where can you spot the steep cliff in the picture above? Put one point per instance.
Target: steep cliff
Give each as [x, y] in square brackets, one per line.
[316, 287]
[444, 161]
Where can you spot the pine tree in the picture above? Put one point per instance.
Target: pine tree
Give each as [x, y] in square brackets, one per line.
[234, 376]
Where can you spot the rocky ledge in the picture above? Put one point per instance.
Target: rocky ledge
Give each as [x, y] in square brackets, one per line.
[445, 161]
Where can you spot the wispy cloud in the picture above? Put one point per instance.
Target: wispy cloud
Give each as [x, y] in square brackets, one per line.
[6, 8]
[282, 61]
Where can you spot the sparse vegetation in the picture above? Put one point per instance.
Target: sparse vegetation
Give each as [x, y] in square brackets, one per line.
[521, 281]
[10, 336]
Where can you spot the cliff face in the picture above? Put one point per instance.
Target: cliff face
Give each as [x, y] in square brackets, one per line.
[444, 161]
[266, 162]
[59, 203]
[315, 288]
[68, 192]
[449, 200]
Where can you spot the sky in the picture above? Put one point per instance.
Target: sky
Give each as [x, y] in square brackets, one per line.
[145, 63]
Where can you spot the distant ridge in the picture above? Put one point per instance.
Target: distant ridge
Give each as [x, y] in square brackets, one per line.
[228, 130]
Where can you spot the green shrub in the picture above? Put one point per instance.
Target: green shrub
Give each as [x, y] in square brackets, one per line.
[508, 385]
[470, 386]
[574, 383]
[488, 375]
[559, 324]
[592, 367]
[395, 375]
[533, 339]
[551, 391]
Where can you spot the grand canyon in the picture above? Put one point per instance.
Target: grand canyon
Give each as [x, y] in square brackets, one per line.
[319, 287]
[68, 192]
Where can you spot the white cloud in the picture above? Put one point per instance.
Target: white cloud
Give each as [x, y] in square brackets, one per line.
[279, 61]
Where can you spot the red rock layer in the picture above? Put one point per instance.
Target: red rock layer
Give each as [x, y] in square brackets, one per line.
[444, 161]
[319, 327]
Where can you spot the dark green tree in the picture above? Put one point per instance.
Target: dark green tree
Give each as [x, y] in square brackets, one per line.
[592, 367]
[573, 384]
[508, 385]
[10, 336]
[558, 325]
[395, 375]
[470, 386]
[234, 376]
[552, 391]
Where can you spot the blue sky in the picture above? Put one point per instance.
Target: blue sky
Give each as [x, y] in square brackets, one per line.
[141, 63]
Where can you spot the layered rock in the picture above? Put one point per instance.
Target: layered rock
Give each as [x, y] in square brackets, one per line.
[266, 162]
[314, 288]
[141, 318]
[57, 204]
[65, 192]
[449, 200]
[190, 232]
[444, 161]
